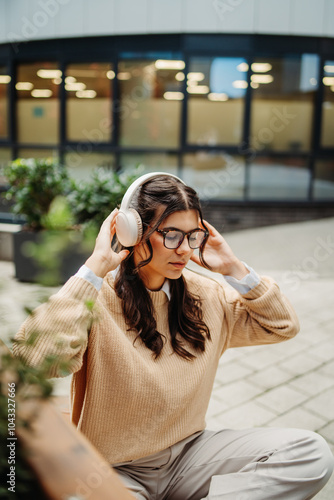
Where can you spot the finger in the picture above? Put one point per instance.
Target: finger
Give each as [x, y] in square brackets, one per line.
[111, 217]
[107, 222]
[123, 254]
[211, 228]
[113, 227]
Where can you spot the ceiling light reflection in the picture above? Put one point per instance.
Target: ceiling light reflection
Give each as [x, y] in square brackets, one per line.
[24, 86]
[262, 78]
[173, 96]
[111, 74]
[240, 84]
[243, 67]
[74, 87]
[328, 80]
[195, 76]
[86, 94]
[169, 64]
[5, 78]
[261, 67]
[180, 76]
[43, 93]
[214, 96]
[329, 68]
[49, 73]
[124, 75]
[198, 89]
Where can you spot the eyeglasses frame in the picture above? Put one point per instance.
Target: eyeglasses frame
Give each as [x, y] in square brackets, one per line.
[165, 231]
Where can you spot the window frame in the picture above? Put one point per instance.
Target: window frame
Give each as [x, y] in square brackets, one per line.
[110, 49]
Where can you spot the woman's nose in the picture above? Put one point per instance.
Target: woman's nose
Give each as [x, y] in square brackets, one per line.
[184, 247]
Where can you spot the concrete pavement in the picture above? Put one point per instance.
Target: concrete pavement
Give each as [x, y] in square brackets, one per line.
[289, 384]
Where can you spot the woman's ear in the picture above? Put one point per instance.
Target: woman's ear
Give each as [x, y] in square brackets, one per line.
[141, 250]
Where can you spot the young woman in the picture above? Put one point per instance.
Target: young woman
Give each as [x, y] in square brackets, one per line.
[144, 360]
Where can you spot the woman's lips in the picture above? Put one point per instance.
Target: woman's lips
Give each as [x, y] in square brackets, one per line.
[178, 265]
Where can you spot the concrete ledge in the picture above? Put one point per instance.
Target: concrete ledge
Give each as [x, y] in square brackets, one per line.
[6, 240]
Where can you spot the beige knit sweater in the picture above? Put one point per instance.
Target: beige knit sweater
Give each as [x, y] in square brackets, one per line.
[126, 403]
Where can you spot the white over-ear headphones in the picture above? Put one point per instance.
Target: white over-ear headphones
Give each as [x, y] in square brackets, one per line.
[129, 228]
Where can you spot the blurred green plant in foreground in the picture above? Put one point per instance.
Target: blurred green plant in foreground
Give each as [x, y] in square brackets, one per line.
[32, 382]
[67, 215]
[35, 185]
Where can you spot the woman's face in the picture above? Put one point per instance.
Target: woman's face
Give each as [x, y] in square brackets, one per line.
[166, 263]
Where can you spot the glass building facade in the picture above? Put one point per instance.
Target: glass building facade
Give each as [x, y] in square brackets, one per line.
[240, 118]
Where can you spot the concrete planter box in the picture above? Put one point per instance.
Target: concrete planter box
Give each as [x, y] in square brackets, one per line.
[48, 257]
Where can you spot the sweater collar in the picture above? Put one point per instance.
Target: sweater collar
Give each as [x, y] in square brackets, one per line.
[165, 287]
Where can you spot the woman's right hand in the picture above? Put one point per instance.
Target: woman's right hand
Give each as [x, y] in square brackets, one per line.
[104, 259]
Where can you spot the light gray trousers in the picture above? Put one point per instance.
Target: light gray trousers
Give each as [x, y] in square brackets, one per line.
[252, 464]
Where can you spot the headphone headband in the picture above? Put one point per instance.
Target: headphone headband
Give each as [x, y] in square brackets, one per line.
[126, 201]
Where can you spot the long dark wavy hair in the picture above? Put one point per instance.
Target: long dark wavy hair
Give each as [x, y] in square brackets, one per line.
[185, 318]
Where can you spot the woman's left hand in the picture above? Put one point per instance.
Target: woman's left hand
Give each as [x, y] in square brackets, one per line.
[219, 256]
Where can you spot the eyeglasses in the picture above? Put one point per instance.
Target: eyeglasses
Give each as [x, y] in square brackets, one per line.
[173, 238]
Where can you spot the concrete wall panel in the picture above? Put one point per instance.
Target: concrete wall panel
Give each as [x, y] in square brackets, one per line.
[42, 19]
[329, 18]
[272, 17]
[308, 17]
[70, 21]
[165, 16]
[100, 18]
[131, 16]
[200, 16]
[235, 16]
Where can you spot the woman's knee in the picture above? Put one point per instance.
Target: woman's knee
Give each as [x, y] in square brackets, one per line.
[323, 456]
[311, 453]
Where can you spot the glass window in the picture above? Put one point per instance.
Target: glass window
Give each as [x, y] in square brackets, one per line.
[4, 85]
[37, 153]
[216, 176]
[283, 102]
[216, 88]
[88, 105]
[81, 163]
[150, 162]
[327, 129]
[150, 102]
[5, 158]
[278, 179]
[323, 183]
[37, 90]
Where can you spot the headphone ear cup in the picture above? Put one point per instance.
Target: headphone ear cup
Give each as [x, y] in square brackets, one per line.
[129, 227]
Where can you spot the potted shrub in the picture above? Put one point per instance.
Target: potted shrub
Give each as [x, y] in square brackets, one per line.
[61, 216]
[35, 184]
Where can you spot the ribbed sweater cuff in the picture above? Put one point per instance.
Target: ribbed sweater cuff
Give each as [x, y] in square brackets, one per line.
[258, 291]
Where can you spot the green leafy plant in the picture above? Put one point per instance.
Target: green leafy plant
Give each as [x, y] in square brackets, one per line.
[34, 185]
[44, 193]
[94, 199]
[69, 213]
